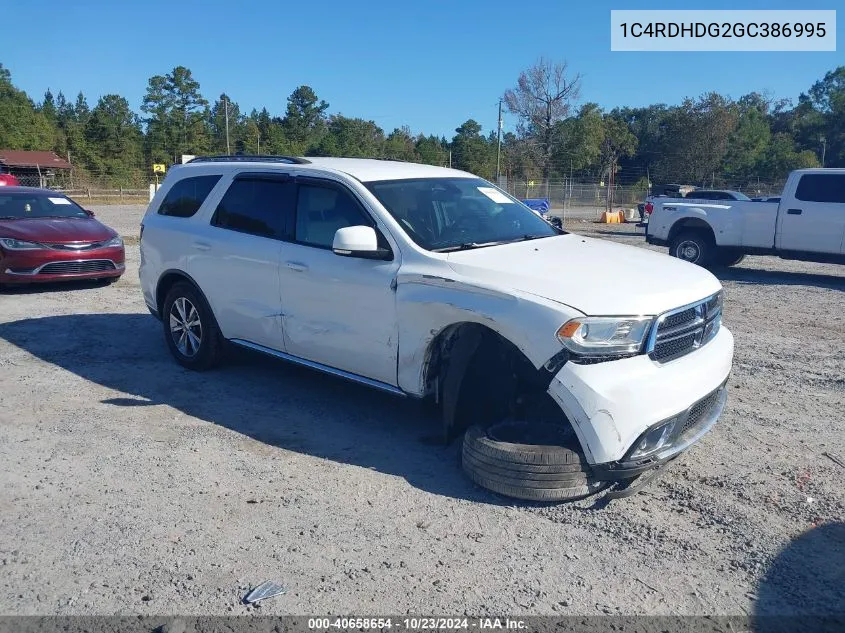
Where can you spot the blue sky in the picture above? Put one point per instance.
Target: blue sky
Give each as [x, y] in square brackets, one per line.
[430, 65]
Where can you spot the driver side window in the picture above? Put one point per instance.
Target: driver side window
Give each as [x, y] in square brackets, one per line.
[321, 211]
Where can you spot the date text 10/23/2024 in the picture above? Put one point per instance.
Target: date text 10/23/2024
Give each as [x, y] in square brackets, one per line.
[416, 623]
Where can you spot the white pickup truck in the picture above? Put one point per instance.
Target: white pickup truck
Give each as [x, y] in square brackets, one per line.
[807, 224]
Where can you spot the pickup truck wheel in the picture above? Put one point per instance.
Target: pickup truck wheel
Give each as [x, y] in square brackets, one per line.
[527, 461]
[190, 329]
[694, 247]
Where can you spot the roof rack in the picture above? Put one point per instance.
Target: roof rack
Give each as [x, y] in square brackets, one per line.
[250, 158]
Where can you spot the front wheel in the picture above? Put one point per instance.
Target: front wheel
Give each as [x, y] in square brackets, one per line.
[694, 247]
[190, 328]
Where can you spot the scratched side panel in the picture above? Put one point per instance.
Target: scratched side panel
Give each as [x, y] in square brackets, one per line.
[427, 304]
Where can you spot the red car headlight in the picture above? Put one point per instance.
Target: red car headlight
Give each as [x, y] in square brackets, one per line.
[11, 244]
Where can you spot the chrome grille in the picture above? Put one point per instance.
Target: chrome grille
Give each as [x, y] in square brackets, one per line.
[77, 267]
[685, 329]
[76, 247]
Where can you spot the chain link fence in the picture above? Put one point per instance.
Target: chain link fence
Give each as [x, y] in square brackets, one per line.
[567, 194]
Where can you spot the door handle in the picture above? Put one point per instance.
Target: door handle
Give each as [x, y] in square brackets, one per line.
[794, 211]
[297, 266]
[202, 246]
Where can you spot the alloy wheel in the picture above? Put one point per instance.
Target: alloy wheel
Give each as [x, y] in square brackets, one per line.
[185, 327]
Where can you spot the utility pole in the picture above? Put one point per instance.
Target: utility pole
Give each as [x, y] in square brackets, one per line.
[226, 108]
[450, 159]
[258, 140]
[824, 148]
[499, 146]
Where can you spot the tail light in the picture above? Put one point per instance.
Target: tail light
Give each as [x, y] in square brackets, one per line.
[649, 207]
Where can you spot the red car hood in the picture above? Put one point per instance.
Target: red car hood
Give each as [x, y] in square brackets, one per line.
[56, 230]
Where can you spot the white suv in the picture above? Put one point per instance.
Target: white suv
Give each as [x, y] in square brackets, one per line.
[428, 282]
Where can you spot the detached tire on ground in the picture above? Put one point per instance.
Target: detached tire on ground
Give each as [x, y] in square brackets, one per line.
[533, 465]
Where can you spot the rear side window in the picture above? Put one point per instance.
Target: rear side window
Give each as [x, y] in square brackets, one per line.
[257, 206]
[821, 188]
[186, 196]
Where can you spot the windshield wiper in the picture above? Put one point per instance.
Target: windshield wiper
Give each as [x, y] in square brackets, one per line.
[465, 246]
[470, 245]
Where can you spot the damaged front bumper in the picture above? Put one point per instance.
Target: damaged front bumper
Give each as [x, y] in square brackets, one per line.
[634, 414]
[680, 432]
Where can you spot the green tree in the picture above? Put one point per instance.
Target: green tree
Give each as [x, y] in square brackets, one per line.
[471, 151]
[617, 141]
[828, 98]
[113, 136]
[399, 145]
[750, 139]
[696, 138]
[578, 140]
[22, 126]
[48, 107]
[304, 122]
[782, 157]
[350, 137]
[176, 116]
[224, 108]
[432, 150]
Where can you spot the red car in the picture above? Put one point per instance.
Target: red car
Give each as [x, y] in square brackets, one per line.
[46, 236]
[8, 180]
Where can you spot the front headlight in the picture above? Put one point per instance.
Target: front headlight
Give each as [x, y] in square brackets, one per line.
[115, 241]
[604, 336]
[12, 244]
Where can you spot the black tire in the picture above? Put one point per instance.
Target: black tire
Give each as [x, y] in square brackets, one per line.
[727, 258]
[203, 349]
[695, 247]
[535, 472]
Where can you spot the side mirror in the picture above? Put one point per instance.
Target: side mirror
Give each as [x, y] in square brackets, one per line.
[556, 221]
[89, 213]
[358, 241]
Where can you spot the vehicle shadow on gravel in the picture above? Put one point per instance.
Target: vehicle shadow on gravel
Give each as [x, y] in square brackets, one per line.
[779, 278]
[277, 403]
[619, 233]
[43, 288]
[804, 587]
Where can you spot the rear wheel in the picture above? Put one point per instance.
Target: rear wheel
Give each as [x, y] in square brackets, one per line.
[534, 461]
[190, 328]
[695, 247]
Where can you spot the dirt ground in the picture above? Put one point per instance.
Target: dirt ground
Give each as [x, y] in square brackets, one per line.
[130, 485]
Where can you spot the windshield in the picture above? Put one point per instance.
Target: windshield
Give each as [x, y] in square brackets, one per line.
[443, 214]
[14, 205]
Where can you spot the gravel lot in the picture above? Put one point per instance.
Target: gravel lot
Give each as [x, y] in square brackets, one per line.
[131, 485]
